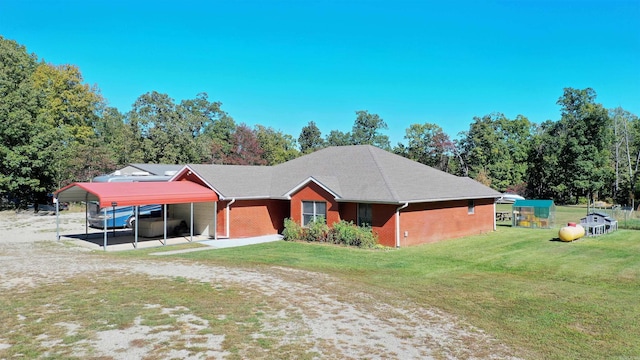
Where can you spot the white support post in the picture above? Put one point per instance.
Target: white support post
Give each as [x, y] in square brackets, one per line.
[137, 210]
[86, 216]
[165, 223]
[191, 225]
[104, 212]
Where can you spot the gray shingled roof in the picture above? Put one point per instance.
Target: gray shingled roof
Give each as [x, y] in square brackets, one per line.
[237, 181]
[361, 173]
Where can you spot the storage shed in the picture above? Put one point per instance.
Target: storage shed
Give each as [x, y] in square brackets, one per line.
[534, 213]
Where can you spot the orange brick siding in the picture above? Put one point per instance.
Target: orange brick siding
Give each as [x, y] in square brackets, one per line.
[349, 212]
[431, 222]
[252, 217]
[313, 192]
[221, 229]
[384, 224]
[422, 223]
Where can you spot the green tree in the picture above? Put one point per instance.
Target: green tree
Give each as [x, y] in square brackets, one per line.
[543, 172]
[47, 117]
[338, 138]
[277, 147]
[197, 117]
[498, 147]
[67, 112]
[220, 133]
[427, 144]
[155, 123]
[366, 130]
[310, 138]
[114, 134]
[625, 154]
[586, 152]
[21, 165]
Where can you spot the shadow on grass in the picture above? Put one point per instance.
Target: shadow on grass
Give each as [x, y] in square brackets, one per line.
[504, 225]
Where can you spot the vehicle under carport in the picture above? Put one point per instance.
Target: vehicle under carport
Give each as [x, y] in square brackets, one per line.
[136, 194]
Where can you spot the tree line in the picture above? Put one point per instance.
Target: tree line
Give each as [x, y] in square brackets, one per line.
[55, 129]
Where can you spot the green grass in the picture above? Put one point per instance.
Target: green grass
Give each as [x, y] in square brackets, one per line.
[33, 321]
[546, 298]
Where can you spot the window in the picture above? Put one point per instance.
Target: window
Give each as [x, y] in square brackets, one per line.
[364, 214]
[312, 210]
[471, 207]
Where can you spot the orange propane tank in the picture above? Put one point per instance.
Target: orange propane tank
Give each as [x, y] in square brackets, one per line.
[571, 232]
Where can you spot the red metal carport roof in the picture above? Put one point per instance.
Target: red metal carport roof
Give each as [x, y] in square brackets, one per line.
[136, 193]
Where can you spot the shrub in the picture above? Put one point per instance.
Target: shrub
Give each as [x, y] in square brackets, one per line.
[347, 233]
[292, 230]
[317, 230]
[343, 232]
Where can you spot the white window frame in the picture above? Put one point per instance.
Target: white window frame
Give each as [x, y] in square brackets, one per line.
[315, 215]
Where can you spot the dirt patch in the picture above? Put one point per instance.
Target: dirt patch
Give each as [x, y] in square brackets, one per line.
[315, 312]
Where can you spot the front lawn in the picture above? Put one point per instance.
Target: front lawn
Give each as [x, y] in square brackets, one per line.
[546, 298]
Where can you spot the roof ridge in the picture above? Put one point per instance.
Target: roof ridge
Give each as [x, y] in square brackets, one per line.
[385, 179]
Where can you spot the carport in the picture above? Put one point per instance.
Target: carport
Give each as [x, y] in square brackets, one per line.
[112, 194]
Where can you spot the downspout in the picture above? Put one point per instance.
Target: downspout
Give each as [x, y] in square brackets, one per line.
[226, 218]
[398, 223]
[494, 215]
[215, 220]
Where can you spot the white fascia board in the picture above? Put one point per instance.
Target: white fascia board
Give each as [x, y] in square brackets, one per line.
[305, 182]
[401, 202]
[186, 170]
[451, 199]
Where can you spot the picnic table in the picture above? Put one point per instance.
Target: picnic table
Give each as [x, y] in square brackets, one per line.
[503, 215]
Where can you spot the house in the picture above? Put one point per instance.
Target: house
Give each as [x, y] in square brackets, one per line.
[404, 202]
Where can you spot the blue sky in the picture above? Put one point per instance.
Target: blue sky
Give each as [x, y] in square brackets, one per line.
[285, 63]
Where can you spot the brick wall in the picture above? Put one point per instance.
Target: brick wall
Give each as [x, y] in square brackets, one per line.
[384, 223]
[313, 192]
[253, 217]
[431, 222]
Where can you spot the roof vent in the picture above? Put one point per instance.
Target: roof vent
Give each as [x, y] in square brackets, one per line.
[170, 172]
[140, 173]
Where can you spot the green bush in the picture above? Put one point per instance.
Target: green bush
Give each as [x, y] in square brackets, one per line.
[342, 233]
[347, 233]
[317, 231]
[292, 230]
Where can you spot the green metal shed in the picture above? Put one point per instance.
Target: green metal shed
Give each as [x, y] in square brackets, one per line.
[534, 213]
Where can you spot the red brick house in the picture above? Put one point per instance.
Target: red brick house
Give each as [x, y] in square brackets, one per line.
[405, 202]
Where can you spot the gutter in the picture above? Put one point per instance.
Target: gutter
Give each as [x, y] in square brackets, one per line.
[226, 217]
[398, 223]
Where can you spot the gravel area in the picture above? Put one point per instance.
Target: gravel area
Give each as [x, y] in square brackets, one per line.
[368, 328]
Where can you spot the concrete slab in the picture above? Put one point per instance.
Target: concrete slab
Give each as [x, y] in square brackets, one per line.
[219, 244]
[124, 240]
[226, 243]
